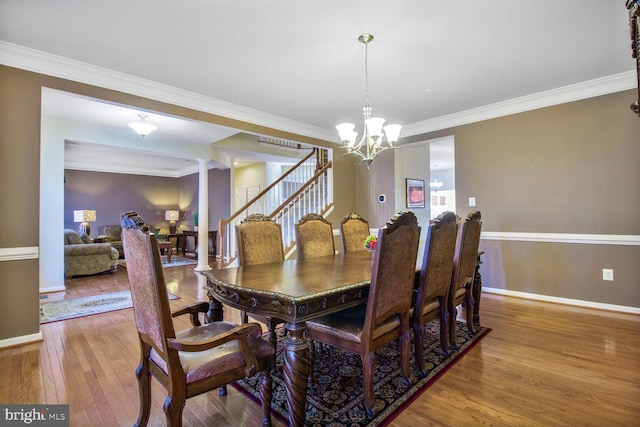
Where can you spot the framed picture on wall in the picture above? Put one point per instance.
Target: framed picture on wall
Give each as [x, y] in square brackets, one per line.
[415, 193]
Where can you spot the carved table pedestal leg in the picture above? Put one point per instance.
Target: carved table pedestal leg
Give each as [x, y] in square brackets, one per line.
[296, 371]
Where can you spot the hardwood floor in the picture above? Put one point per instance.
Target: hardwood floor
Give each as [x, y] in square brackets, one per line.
[542, 365]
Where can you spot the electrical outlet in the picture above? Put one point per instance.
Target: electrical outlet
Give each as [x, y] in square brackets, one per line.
[607, 274]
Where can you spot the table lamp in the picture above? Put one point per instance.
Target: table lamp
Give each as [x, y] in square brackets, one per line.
[172, 217]
[84, 217]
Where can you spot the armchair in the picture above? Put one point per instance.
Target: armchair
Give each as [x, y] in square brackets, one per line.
[81, 257]
[190, 362]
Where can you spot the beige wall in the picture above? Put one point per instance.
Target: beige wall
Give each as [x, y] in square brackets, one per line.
[20, 93]
[571, 168]
[565, 169]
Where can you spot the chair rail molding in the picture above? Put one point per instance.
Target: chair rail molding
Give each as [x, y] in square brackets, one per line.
[591, 239]
[15, 254]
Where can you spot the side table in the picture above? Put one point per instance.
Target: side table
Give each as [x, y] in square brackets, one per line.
[168, 247]
[213, 236]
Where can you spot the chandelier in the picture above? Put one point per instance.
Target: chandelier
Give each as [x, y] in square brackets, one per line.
[435, 185]
[142, 127]
[373, 140]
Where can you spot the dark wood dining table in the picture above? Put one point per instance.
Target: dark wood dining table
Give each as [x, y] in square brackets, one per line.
[294, 291]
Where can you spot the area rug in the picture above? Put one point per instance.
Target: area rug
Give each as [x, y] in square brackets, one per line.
[85, 306]
[335, 396]
[176, 261]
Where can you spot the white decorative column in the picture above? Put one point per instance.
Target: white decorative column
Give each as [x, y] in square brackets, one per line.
[203, 215]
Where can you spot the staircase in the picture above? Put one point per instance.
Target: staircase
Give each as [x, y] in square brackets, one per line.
[305, 188]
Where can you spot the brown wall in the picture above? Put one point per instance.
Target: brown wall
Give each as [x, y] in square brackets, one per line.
[571, 168]
[20, 94]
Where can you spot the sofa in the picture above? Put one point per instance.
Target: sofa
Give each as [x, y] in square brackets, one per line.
[83, 257]
[112, 233]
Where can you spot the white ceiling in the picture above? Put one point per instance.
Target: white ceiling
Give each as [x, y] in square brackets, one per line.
[297, 65]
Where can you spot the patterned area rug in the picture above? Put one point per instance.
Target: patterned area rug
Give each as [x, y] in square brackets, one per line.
[85, 306]
[176, 261]
[335, 396]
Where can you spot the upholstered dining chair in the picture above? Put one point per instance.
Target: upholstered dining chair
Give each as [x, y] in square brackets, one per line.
[314, 236]
[260, 242]
[465, 260]
[353, 232]
[385, 316]
[430, 300]
[192, 361]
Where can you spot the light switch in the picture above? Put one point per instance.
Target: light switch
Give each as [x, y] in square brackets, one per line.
[472, 201]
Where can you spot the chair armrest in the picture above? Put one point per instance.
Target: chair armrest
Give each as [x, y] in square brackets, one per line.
[193, 310]
[241, 333]
[88, 249]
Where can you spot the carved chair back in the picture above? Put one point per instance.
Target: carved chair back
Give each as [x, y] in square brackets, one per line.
[314, 236]
[353, 232]
[259, 241]
[434, 282]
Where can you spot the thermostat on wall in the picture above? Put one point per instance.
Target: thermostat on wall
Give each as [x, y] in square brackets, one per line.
[382, 198]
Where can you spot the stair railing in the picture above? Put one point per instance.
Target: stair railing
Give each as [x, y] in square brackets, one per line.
[305, 188]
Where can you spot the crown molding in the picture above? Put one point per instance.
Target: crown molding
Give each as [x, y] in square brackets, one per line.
[575, 92]
[45, 63]
[98, 167]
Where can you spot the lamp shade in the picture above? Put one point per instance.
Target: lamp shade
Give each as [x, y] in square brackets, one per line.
[84, 216]
[171, 215]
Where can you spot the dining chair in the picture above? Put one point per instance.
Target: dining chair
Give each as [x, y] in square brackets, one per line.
[464, 268]
[314, 237]
[385, 316]
[192, 361]
[260, 242]
[430, 297]
[353, 232]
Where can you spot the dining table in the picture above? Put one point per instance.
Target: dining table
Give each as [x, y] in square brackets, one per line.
[293, 291]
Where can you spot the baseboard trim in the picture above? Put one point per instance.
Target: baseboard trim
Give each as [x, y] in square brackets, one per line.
[52, 289]
[592, 239]
[21, 340]
[16, 254]
[558, 300]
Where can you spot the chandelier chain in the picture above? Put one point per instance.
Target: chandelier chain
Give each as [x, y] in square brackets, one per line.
[366, 72]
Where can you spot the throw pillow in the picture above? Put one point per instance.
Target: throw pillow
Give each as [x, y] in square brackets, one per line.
[72, 237]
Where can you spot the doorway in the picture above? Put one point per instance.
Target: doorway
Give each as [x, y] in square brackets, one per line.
[442, 176]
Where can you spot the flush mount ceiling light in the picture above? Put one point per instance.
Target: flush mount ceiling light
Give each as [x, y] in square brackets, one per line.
[373, 141]
[142, 127]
